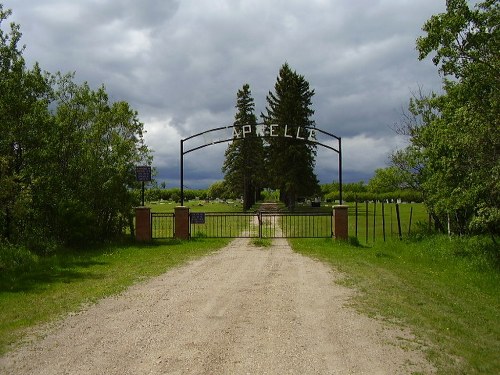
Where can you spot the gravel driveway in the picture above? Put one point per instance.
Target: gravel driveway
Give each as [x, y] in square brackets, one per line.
[241, 310]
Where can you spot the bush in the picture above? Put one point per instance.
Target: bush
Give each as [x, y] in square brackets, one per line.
[16, 259]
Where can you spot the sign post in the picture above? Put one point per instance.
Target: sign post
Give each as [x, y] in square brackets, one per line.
[143, 174]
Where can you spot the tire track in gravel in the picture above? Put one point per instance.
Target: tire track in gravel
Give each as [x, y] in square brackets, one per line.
[241, 310]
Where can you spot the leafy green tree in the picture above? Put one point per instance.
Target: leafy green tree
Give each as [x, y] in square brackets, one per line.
[387, 180]
[67, 155]
[454, 151]
[244, 158]
[24, 95]
[291, 161]
[217, 190]
[90, 165]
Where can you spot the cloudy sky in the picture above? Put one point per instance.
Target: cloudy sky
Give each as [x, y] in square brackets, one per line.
[180, 64]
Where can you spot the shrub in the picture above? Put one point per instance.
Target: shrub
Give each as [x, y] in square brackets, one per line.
[16, 259]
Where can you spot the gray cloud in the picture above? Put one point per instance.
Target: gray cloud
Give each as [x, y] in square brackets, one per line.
[180, 64]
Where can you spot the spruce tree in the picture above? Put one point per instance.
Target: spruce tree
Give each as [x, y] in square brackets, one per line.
[291, 161]
[244, 160]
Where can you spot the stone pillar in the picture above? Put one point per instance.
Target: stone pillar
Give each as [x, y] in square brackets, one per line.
[340, 214]
[182, 222]
[143, 224]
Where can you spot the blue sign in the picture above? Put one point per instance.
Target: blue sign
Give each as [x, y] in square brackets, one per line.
[197, 218]
[143, 173]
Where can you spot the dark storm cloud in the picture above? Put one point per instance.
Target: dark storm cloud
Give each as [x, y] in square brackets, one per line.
[180, 64]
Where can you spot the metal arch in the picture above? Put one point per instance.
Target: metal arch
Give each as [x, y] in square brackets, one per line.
[184, 152]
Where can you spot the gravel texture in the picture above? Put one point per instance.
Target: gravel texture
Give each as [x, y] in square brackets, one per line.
[241, 310]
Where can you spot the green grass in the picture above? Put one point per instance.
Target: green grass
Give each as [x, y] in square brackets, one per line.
[197, 206]
[446, 290]
[64, 282]
[262, 242]
[374, 231]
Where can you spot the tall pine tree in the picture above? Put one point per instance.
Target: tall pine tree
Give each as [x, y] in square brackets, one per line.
[244, 161]
[291, 161]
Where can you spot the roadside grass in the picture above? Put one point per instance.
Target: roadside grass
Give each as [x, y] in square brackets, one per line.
[197, 206]
[446, 290]
[372, 225]
[66, 281]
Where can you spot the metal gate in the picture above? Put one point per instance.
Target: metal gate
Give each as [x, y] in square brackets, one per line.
[247, 225]
[162, 225]
[264, 225]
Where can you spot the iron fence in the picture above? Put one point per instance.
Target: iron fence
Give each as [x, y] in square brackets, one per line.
[296, 224]
[226, 225]
[162, 225]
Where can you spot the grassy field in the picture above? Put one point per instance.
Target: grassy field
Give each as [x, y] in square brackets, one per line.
[446, 290]
[197, 206]
[373, 226]
[64, 282]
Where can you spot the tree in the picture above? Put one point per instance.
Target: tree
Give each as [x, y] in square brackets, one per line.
[291, 161]
[89, 171]
[455, 149]
[218, 190]
[67, 155]
[24, 96]
[387, 180]
[244, 158]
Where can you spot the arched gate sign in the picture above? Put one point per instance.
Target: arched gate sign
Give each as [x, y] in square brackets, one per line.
[234, 132]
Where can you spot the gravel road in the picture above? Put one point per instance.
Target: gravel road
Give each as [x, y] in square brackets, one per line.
[241, 310]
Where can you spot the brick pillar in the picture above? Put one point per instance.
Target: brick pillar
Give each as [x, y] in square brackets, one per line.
[182, 223]
[341, 222]
[143, 224]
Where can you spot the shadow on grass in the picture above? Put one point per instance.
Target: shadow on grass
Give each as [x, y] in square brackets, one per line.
[72, 265]
[46, 273]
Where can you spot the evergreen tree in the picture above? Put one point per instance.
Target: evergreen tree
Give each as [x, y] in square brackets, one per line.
[291, 161]
[244, 161]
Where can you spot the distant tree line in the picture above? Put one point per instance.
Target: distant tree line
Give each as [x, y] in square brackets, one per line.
[360, 192]
[67, 155]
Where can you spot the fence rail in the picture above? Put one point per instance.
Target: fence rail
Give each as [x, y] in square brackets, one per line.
[226, 225]
[296, 225]
[368, 221]
[377, 221]
[162, 225]
[264, 225]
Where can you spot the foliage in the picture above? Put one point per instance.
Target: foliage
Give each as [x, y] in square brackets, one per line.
[15, 260]
[67, 155]
[219, 190]
[291, 161]
[391, 196]
[244, 157]
[386, 180]
[157, 194]
[454, 156]
[384, 186]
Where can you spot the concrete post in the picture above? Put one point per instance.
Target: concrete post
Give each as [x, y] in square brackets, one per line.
[181, 222]
[340, 213]
[143, 224]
